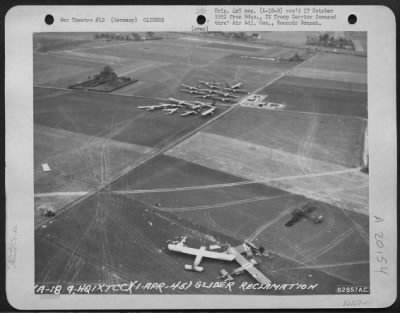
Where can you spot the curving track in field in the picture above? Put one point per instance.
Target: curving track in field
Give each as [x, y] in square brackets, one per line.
[263, 227]
[220, 205]
[306, 146]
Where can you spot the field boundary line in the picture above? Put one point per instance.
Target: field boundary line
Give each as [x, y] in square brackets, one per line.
[314, 113]
[104, 46]
[141, 68]
[317, 266]
[172, 189]
[240, 183]
[60, 193]
[344, 171]
[133, 167]
[284, 74]
[98, 93]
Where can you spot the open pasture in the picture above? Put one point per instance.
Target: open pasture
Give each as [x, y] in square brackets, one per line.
[165, 81]
[318, 100]
[89, 139]
[262, 222]
[157, 50]
[298, 172]
[112, 239]
[227, 46]
[109, 239]
[66, 68]
[294, 38]
[171, 173]
[335, 67]
[305, 243]
[331, 139]
[58, 71]
[60, 41]
[339, 62]
[323, 74]
[255, 212]
[113, 117]
[79, 162]
[161, 66]
[330, 85]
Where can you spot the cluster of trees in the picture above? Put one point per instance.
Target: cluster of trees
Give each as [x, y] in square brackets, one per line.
[328, 40]
[124, 36]
[296, 57]
[107, 74]
[237, 35]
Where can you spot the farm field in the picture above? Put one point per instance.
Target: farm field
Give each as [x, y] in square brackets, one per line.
[303, 175]
[231, 47]
[253, 211]
[318, 100]
[330, 139]
[311, 147]
[80, 162]
[63, 69]
[117, 239]
[292, 38]
[338, 63]
[337, 67]
[160, 66]
[329, 84]
[113, 117]
[124, 182]
[89, 139]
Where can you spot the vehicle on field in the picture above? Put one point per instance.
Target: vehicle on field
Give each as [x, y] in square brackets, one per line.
[49, 213]
[46, 211]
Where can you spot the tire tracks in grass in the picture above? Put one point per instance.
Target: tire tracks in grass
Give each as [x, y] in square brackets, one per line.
[308, 265]
[220, 205]
[332, 244]
[218, 227]
[89, 259]
[263, 227]
[322, 266]
[305, 148]
[166, 148]
[146, 244]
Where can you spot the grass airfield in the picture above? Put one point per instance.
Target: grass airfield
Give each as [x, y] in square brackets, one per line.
[124, 181]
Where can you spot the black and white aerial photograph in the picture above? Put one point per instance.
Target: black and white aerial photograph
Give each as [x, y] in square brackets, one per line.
[211, 163]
